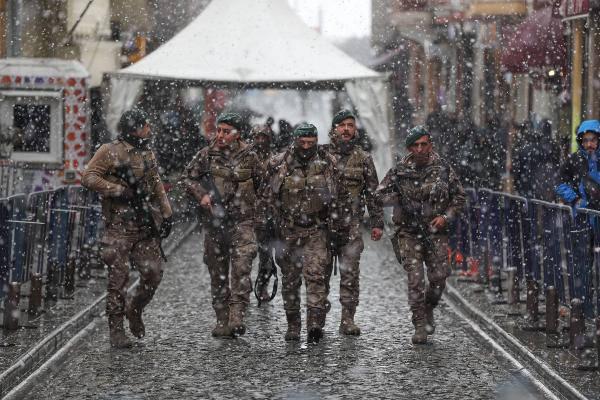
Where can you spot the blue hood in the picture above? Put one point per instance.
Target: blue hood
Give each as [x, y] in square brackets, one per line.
[589, 125]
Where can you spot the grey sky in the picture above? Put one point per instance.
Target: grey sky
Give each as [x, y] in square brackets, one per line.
[340, 18]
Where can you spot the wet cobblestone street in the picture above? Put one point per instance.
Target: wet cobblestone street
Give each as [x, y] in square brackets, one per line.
[178, 359]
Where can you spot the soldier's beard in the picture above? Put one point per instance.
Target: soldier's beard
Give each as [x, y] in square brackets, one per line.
[305, 154]
[346, 146]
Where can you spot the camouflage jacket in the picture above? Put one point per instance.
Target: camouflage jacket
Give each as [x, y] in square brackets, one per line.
[237, 177]
[418, 195]
[263, 157]
[359, 182]
[301, 195]
[103, 175]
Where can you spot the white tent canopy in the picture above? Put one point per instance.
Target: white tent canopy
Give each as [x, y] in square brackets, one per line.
[259, 42]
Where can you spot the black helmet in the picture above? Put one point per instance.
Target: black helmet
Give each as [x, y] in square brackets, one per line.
[131, 121]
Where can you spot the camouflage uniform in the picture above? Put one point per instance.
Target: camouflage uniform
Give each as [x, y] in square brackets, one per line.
[126, 238]
[418, 195]
[359, 180]
[232, 239]
[300, 196]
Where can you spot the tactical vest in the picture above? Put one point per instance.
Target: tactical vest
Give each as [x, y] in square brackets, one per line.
[353, 175]
[235, 185]
[144, 166]
[427, 191]
[305, 197]
[142, 162]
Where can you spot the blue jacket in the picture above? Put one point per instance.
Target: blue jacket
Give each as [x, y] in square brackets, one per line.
[580, 179]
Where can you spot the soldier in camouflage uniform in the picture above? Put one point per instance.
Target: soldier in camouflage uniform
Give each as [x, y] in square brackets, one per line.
[300, 194]
[134, 203]
[261, 137]
[359, 179]
[426, 195]
[224, 178]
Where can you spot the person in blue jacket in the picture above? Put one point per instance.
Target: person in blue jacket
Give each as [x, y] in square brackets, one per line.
[579, 177]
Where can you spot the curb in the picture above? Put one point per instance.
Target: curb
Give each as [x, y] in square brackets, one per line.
[545, 372]
[20, 390]
[51, 344]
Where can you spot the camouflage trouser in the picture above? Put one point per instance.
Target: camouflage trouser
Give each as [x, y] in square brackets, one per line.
[411, 252]
[303, 253]
[118, 249]
[235, 244]
[349, 265]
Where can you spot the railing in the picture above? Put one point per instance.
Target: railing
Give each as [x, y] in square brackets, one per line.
[549, 249]
[46, 237]
[11, 177]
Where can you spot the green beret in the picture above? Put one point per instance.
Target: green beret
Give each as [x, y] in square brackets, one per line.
[232, 119]
[305, 129]
[415, 134]
[342, 115]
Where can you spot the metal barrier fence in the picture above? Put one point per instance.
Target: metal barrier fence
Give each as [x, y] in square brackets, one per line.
[11, 177]
[49, 237]
[550, 249]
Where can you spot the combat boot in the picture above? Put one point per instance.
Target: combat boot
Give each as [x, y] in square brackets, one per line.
[347, 325]
[314, 319]
[236, 319]
[221, 329]
[420, 335]
[136, 325]
[118, 338]
[430, 322]
[294, 321]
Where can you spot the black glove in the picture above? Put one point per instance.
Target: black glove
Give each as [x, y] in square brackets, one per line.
[165, 228]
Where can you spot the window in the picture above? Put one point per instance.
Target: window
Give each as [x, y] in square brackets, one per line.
[33, 122]
[31, 126]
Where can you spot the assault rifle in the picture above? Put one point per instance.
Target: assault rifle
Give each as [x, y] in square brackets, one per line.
[219, 215]
[140, 203]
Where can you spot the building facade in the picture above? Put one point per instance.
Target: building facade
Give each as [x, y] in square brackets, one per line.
[104, 35]
[512, 61]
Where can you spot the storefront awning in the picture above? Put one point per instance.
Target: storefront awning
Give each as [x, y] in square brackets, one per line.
[536, 42]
